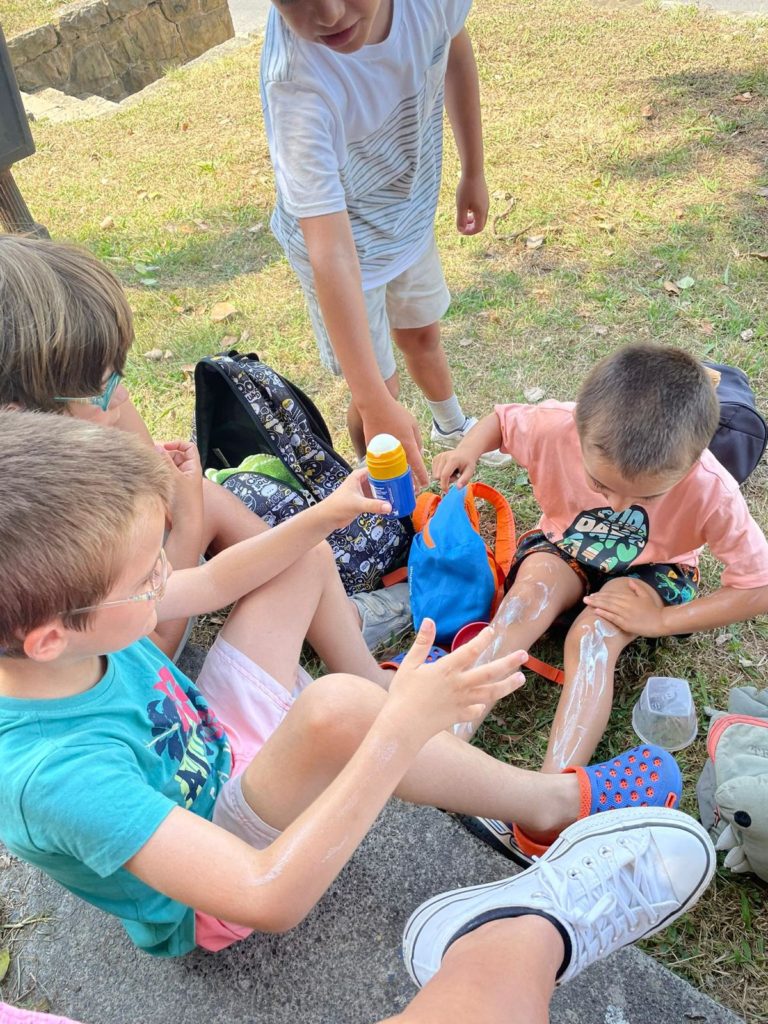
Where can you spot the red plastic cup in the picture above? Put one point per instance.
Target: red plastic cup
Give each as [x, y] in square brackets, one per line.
[467, 633]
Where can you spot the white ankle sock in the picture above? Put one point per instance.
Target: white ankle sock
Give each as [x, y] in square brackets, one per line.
[448, 415]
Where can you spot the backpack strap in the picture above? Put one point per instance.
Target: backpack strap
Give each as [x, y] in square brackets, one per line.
[505, 543]
[426, 506]
[541, 668]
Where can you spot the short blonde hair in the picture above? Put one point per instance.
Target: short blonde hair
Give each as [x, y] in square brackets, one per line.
[65, 323]
[69, 496]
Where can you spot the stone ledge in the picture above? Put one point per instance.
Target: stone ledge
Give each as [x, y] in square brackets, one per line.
[112, 48]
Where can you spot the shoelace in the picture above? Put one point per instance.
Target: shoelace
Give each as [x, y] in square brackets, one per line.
[606, 896]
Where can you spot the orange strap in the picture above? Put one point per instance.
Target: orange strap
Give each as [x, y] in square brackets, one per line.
[541, 668]
[505, 523]
[426, 506]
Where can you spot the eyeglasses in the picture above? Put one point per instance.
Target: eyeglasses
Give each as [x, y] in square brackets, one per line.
[102, 400]
[158, 580]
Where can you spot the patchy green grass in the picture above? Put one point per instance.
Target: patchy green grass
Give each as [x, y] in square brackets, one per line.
[632, 141]
[19, 15]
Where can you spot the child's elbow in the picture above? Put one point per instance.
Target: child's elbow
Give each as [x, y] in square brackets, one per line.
[277, 916]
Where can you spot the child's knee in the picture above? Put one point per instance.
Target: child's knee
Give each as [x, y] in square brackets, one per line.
[591, 631]
[418, 340]
[338, 708]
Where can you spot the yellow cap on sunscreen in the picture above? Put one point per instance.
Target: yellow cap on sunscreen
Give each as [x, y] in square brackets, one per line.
[385, 457]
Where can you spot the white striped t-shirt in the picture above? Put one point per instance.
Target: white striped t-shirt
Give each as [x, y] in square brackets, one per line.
[361, 132]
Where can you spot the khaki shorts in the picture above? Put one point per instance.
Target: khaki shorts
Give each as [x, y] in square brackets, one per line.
[416, 298]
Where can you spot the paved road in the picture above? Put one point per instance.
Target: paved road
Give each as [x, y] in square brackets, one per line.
[249, 15]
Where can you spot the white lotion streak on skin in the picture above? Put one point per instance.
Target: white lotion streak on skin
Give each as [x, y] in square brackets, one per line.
[588, 687]
[383, 754]
[513, 609]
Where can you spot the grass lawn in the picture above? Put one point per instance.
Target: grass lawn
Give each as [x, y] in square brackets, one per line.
[19, 15]
[625, 149]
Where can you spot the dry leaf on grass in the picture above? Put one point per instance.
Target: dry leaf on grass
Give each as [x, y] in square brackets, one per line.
[747, 335]
[534, 241]
[757, 255]
[744, 97]
[763, 193]
[107, 224]
[533, 395]
[154, 355]
[648, 112]
[222, 311]
[671, 288]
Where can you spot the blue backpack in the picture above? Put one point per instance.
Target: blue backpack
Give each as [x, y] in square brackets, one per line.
[453, 576]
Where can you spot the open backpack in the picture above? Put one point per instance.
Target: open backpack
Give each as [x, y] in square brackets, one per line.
[264, 440]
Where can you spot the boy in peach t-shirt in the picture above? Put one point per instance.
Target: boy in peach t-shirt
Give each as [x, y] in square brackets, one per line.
[630, 495]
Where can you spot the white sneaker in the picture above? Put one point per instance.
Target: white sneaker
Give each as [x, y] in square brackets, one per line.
[453, 438]
[604, 883]
[385, 614]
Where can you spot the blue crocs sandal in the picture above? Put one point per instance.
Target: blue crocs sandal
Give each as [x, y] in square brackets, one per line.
[435, 654]
[645, 776]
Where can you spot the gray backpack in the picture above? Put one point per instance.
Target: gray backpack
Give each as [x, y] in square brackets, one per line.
[733, 788]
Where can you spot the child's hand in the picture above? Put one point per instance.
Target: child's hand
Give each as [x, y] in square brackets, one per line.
[472, 202]
[351, 499]
[187, 473]
[634, 608]
[453, 689]
[457, 463]
[393, 418]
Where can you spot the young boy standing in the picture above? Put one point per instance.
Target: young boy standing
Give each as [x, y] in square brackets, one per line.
[353, 94]
[629, 494]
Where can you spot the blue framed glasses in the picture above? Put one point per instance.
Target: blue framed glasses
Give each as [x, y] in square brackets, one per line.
[102, 400]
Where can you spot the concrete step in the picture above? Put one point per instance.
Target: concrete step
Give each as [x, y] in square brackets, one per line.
[52, 105]
[341, 966]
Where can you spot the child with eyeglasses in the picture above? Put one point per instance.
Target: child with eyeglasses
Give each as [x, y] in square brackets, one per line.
[66, 330]
[162, 802]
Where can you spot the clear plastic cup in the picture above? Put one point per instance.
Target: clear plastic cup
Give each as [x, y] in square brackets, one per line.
[665, 714]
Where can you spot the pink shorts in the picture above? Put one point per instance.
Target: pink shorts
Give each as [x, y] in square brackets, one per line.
[251, 705]
[13, 1015]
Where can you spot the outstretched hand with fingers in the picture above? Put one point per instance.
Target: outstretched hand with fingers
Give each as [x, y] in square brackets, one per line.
[453, 689]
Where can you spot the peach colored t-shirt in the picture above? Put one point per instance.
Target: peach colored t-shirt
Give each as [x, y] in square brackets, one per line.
[705, 508]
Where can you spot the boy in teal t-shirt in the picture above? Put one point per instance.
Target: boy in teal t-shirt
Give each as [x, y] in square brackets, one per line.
[148, 795]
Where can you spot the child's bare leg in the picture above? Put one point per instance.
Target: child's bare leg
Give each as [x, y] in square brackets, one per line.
[326, 725]
[592, 648]
[426, 360]
[355, 421]
[501, 973]
[307, 599]
[544, 587]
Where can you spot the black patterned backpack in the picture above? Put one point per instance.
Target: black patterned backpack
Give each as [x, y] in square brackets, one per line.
[242, 408]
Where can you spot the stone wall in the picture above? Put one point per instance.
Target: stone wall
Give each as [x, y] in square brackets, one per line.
[113, 48]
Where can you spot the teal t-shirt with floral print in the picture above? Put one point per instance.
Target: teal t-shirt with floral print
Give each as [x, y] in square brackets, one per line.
[88, 779]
